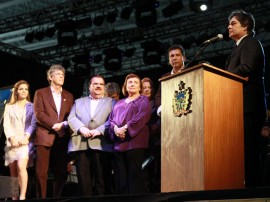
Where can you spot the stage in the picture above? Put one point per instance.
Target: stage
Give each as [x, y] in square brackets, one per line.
[248, 194]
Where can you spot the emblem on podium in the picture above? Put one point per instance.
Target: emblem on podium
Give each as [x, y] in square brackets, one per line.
[181, 102]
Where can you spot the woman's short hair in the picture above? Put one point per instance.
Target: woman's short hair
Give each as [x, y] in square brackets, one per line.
[147, 79]
[124, 88]
[112, 88]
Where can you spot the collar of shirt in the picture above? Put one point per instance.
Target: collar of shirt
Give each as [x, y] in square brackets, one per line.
[178, 71]
[95, 98]
[56, 93]
[93, 104]
[57, 99]
[238, 42]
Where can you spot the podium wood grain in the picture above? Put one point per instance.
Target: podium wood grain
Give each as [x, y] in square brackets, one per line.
[203, 150]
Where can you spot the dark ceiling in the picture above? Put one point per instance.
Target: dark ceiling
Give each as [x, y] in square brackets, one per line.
[75, 41]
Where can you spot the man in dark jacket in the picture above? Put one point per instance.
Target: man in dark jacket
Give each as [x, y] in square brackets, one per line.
[248, 60]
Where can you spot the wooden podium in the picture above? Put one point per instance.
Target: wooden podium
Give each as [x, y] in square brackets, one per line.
[203, 149]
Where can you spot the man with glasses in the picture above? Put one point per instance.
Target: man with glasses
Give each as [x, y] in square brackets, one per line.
[89, 144]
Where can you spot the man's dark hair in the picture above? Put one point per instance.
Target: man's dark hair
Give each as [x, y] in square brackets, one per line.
[245, 19]
[96, 76]
[177, 46]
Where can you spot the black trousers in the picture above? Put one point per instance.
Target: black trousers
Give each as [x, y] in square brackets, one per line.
[129, 176]
[253, 124]
[94, 172]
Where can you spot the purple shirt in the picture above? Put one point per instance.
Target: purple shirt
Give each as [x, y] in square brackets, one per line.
[136, 115]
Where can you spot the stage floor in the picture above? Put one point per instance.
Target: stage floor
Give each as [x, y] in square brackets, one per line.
[249, 194]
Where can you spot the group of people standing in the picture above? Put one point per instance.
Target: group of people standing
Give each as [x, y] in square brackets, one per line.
[44, 122]
[108, 139]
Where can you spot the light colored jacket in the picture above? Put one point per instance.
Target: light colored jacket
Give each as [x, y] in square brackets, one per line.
[80, 116]
[11, 119]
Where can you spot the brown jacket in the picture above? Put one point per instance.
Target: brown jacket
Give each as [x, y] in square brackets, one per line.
[46, 115]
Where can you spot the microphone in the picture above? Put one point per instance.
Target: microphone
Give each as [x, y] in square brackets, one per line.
[203, 46]
[214, 39]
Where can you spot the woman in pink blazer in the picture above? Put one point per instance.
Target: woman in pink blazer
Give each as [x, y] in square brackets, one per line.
[19, 125]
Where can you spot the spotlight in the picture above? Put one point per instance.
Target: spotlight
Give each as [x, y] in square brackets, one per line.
[172, 9]
[152, 52]
[113, 59]
[49, 32]
[203, 7]
[67, 38]
[113, 52]
[111, 16]
[81, 59]
[82, 65]
[98, 20]
[151, 45]
[141, 4]
[39, 34]
[84, 23]
[146, 18]
[200, 5]
[82, 69]
[151, 57]
[67, 33]
[29, 36]
[112, 64]
[126, 12]
[146, 14]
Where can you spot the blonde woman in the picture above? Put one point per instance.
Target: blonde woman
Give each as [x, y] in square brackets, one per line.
[19, 125]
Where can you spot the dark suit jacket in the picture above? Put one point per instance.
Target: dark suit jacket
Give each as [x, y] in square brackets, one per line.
[158, 93]
[247, 60]
[46, 115]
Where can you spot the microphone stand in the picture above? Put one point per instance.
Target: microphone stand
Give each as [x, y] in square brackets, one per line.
[201, 49]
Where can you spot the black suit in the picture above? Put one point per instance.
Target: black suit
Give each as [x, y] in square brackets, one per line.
[247, 60]
[158, 93]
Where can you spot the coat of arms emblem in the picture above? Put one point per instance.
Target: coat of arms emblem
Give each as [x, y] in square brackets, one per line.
[182, 100]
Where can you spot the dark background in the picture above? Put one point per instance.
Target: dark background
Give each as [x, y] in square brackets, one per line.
[14, 68]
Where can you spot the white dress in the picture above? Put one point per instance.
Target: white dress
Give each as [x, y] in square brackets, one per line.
[14, 124]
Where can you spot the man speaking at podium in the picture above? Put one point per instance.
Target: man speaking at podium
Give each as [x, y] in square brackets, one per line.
[247, 60]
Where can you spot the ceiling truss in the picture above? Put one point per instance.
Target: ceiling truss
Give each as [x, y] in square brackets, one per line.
[123, 34]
